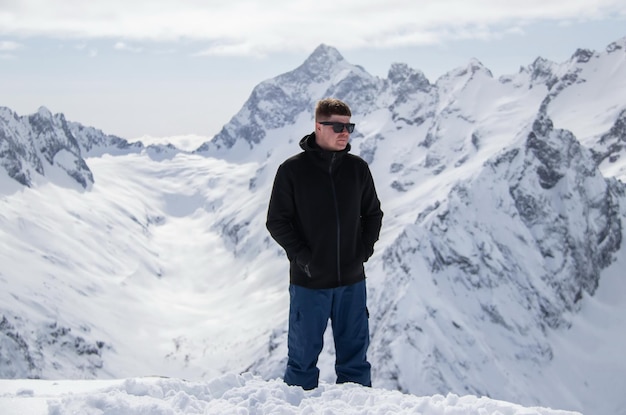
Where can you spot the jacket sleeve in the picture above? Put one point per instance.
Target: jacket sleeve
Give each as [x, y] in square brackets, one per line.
[281, 214]
[371, 215]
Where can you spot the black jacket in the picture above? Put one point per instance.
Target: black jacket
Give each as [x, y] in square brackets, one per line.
[325, 213]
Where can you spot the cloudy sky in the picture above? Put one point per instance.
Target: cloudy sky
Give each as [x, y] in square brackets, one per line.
[172, 67]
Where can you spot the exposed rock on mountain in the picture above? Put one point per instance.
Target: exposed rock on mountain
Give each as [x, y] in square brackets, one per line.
[43, 144]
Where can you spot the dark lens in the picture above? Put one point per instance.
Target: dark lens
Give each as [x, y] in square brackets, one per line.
[338, 127]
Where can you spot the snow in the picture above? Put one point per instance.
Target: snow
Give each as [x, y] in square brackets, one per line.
[139, 251]
[589, 343]
[164, 268]
[187, 142]
[234, 394]
[171, 297]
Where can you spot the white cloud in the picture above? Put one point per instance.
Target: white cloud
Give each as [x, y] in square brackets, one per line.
[233, 48]
[91, 52]
[9, 46]
[126, 47]
[242, 27]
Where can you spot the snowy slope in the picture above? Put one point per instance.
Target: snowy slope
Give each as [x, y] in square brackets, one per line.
[146, 259]
[497, 265]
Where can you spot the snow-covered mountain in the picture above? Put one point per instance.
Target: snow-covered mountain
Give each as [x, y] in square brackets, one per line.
[498, 271]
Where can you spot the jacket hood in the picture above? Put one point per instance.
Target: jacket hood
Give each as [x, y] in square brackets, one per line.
[307, 143]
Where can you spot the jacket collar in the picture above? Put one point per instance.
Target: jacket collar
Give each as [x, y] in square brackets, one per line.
[308, 144]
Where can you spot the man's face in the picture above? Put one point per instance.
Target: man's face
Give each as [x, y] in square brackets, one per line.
[328, 139]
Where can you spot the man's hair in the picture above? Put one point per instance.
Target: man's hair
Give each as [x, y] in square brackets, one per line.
[327, 107]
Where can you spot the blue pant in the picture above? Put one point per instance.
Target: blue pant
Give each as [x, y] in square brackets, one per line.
[309, 311]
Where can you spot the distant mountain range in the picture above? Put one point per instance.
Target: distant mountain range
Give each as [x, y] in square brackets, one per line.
[504, 205]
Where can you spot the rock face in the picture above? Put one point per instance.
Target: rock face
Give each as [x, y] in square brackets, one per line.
[51, 350]
[40, 144]
[48, 145]
[516, 248]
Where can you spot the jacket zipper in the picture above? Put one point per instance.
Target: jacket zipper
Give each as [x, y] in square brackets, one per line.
[332, 185]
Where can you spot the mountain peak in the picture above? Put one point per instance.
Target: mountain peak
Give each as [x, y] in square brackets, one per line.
[582, 55]
[403, 76]
[474, 65]
[619, 44]
[44, 112]
[324, 51]
[322, 59]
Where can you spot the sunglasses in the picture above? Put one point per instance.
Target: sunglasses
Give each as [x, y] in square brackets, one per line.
[339, 126]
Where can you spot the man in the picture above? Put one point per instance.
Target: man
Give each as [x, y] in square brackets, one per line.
[325, 213]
